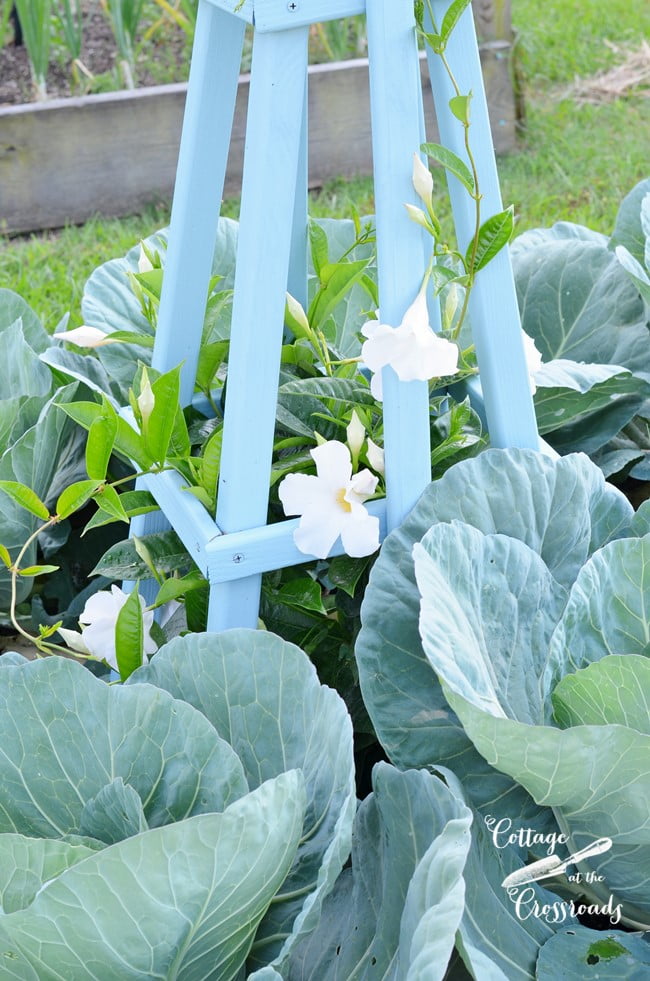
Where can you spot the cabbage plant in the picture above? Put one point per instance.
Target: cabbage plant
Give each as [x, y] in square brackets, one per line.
[505, 635]
[177, 826]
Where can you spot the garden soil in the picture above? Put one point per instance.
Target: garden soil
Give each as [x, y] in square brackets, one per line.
[98, 56]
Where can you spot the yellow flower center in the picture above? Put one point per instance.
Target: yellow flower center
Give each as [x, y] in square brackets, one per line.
[340, 500]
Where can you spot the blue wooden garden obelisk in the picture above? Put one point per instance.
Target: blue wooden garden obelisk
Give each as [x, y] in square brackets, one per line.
[239, 546]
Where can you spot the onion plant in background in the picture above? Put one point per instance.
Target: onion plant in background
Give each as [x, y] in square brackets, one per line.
[69, 16]
[182, 12]
[125, 17]
[35, 20]
[5, 14]
[342, 38]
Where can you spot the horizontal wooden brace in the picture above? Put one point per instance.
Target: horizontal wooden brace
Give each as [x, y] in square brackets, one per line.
[280, 15]
[246, 553]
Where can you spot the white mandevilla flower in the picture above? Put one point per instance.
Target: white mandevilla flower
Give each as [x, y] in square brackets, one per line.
[533, 359]
[84, 336]
[413, 350]
[97, 622]
[331, 504]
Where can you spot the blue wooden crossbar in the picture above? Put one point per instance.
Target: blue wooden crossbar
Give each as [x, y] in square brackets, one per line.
[235, 549]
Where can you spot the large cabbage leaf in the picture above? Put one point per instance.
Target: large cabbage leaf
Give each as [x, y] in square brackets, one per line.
[262, 695]
[596, 777]
[181, 902]
[562, 509]
[74, 751]
[395, 912]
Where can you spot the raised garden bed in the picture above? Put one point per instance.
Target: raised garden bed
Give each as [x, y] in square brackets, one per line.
[66, 159]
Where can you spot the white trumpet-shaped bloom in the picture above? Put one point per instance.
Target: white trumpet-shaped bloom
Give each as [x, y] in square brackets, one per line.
[331, 504]
[413, 350]
[97, 622]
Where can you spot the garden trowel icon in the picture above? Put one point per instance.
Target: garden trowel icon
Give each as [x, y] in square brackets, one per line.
[546, 868]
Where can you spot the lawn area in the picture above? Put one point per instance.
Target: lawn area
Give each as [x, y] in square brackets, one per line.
[575, 161]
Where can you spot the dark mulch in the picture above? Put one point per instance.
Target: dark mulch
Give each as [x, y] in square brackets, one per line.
[162, 59]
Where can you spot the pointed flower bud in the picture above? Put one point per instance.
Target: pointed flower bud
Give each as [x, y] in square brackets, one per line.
[84, 336]
[356, 433]
[146, 399]
[422, 180]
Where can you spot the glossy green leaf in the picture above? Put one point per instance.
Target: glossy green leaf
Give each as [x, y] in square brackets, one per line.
[100, 443]
[172, 589]
[345, 572]
[129, 635]
[303, 594]
[75, 496]
[110, 502]
[264, 697]
[65, 735]
[459, 105]
[344, 390]
[127, 442]
[319, 247]
[37, 570]
[452, 15]
[160, 425]
[122, 561]
[451, 162]
[210, 465]
[183, 900]
[493, 235]
[339, 278]
[5, 557]
[25, 497]
[133, 502]
[210, 357]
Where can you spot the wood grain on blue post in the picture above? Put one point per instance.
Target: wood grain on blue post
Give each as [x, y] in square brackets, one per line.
[397, 126]
[493, 309]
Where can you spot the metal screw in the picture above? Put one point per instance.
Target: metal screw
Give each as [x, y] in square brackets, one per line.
[237, 558]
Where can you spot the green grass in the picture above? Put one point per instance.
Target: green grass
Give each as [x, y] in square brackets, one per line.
[562, 39]
[574, 163]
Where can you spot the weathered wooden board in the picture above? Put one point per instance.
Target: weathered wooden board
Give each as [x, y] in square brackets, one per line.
[110, 154]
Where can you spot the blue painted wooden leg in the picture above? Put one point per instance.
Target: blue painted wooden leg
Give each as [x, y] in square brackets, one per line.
[198, 192]
[493, 309]
[273, 144]
[395, 93]
[202, 161]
